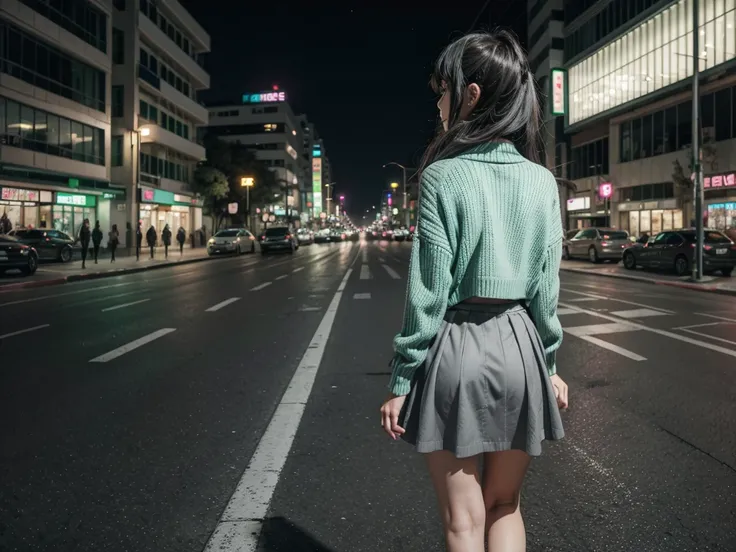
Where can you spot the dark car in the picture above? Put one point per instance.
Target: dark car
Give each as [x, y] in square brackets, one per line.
[16, 255]
[675, 250]
[49, 244]
[279, 238]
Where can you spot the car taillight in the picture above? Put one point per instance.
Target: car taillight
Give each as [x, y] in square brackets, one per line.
[263, 238]
[707, 247]
[288, 236]
[605, 244]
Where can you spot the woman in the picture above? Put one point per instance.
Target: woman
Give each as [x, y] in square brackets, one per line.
[474, 375]
[96, 239]
[166, 238]
[112, 241]
[84, 236]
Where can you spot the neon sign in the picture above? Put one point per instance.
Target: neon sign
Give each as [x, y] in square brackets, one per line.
[720, 181]
[605, 190]
[264, 97]
[317, 185]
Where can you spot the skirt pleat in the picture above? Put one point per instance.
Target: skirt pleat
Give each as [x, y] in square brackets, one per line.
[483, 386]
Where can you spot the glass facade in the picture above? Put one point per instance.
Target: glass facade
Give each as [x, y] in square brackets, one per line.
[173, 168]
[589, 160]
[150, 10]
[164, 120]
[650, 221]
[652, 56]
[28, 128]
[32, 61]
[160, 69]
[79, 17]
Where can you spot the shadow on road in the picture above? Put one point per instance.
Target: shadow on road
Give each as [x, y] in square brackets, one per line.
[279, 534]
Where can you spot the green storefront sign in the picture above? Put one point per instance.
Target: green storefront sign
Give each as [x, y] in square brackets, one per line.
[77, 200]
[163, 197]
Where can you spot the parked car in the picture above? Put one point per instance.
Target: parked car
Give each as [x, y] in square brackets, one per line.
[675, 250]
[49, 244]
[278, 238]
[16, 255]
[305, 236]
[231, 240]
[596, 244]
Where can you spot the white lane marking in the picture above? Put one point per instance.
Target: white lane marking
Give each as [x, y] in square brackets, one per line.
[225, 303]
[362, 296]
[716, 317]
[120, 351]
[664, 333]
[612, 347]
[261, 286]
[381, 260]
[709, 336]
[240, 526]
[638, 313]
[616, 300]
[365, 256]
[76, 292]
[583, 299]
[365, 272]
[19, 332]
[309, 309]
[392, 272]
[698, 326]
[281, 277]
[116, 307]
[600, 329]
[298, 269]
[562, 311]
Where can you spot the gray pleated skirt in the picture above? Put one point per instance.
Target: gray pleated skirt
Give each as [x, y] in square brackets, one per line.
[484, 386]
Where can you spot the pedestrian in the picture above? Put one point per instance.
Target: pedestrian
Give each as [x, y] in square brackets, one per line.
[181, 237]
[474, 374]
[138, 241]
[166, 238]
[84, 236]
[5, 224]
[96, 239]
[151, 239]
[112, 241]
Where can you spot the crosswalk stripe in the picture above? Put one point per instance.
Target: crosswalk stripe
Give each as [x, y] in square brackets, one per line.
[612, 347]
[638, 313]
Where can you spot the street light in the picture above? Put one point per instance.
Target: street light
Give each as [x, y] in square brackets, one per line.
[403, 169]
[394, 185]
[247, 182]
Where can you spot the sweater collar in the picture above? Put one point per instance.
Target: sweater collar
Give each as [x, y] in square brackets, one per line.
[493, 152]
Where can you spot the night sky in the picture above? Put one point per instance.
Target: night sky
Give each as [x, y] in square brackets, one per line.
[359, 73]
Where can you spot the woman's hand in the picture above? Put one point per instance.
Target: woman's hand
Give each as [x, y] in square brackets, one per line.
[560, 388]
[390, 415]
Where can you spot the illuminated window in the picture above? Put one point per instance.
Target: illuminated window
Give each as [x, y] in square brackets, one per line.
[652, 56]
[270, 127]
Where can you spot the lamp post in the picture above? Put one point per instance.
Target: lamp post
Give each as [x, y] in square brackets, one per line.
[405, 202]
[247, 182]
[135, 214]
[697, 274]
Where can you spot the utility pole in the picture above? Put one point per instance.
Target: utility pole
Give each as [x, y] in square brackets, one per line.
[697, 167]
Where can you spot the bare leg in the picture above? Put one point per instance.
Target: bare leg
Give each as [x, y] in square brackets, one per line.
[457, 484]
[503, 476]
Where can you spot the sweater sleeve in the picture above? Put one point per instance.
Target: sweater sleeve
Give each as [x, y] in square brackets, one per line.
[428, 287]
[543, 305]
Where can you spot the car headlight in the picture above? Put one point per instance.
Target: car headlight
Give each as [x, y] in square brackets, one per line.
[25, 251]
[212, 241]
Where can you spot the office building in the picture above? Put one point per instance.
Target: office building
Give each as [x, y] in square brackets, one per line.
[265, 123]
[629, 112]
[157, 55]
[55, 66]
[317, 176]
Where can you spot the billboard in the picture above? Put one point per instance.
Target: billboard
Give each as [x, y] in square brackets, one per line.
[264, 97]
[558, 92]
[316, 186]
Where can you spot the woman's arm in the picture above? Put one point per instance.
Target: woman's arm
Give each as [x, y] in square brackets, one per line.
[428, 288]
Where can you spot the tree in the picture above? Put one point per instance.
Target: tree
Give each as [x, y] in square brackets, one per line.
[683, 181]
[212, 185]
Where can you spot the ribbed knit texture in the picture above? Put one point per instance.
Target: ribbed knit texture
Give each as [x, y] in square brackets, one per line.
[489, 226]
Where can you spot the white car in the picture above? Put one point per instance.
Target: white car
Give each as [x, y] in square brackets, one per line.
[232, 240]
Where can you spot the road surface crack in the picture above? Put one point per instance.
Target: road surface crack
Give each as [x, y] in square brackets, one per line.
[696, 447]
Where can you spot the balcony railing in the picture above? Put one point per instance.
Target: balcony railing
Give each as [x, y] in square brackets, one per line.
[145, 74]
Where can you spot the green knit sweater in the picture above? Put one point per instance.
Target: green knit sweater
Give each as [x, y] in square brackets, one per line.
[489, 226]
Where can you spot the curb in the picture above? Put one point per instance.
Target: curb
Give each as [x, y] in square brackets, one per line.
[97, 275]
[683, 285]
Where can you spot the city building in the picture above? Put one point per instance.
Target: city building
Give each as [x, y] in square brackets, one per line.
[629, 112]
[157, 55]
[55, 67]
[265, 123]
[317, 176]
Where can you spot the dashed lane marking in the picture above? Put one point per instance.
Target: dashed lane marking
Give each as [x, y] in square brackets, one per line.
[120, 351]
[124, 305]
[27, 330]
[261, 286]
[391, 272]
[222, 304]
[365, 272]
[362, 296]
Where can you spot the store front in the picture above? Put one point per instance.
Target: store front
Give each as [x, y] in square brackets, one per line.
[161, 207]
[23, 208]
[650, 217]
[70, 210]
[720, 201]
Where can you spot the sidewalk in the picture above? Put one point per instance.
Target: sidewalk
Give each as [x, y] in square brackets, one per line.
[54, 273]
[718, 284]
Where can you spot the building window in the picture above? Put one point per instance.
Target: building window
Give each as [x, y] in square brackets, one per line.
[25, 127]
[118, 100]
[148, 8]
[38, 64]
[118, 46]
[79, 17]
[116, 151]
[589, 160]
[649, 58]
[164, 168]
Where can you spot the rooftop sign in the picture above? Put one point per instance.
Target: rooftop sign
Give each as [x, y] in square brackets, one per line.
[264, 97]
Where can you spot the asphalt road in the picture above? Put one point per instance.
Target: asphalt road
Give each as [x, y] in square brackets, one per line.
[108, 446]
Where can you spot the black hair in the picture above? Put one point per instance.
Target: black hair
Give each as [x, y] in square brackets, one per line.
[508, 107]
